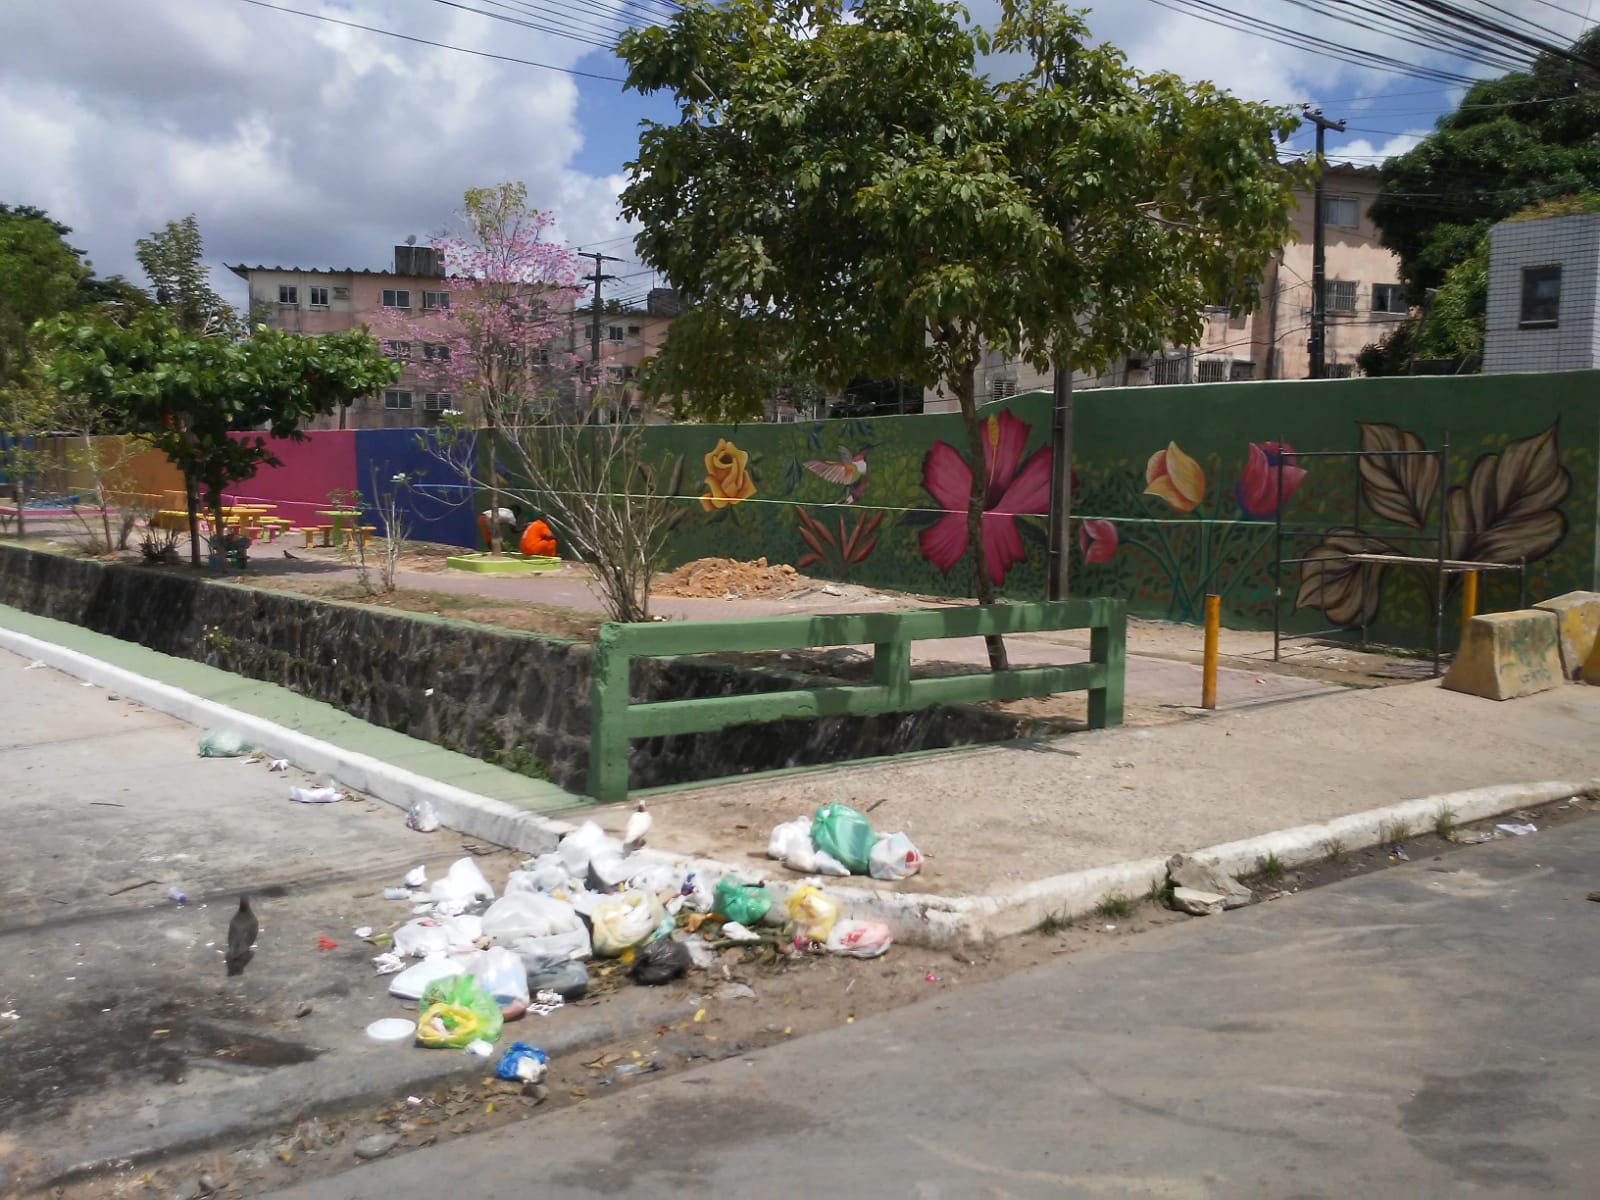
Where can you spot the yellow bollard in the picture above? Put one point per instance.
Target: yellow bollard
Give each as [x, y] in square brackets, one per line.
[1208, 685]
[1469, 597]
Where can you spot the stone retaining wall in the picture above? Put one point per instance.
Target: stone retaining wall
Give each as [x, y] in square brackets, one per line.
[512, 698]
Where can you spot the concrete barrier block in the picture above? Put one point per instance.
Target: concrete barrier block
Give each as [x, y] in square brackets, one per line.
[1591, 666]
[1577, 623]
[1506, 655]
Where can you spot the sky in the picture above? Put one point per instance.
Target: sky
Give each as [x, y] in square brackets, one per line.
[303, 142]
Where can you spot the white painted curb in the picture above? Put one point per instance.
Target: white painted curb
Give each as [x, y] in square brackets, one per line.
[914, 917]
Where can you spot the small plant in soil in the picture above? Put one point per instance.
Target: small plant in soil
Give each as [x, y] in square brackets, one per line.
[1444, 824]
[1160, 891]
[1116, 905]
[1053, 924]
[1336, 850]
[1269, 867]
[1392, 832]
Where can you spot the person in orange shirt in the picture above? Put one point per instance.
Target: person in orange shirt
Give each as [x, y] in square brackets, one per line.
[538, 541]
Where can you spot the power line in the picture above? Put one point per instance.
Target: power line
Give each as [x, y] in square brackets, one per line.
[406, 37]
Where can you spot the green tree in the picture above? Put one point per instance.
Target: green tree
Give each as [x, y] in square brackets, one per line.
[847, 187]
[1512, 142]
[173, 258]
[210, 403]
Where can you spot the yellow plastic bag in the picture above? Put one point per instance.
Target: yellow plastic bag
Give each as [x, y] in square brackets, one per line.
[456, 1011]
[812, 913]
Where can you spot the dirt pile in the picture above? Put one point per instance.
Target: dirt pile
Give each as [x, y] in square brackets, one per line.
[714, 578]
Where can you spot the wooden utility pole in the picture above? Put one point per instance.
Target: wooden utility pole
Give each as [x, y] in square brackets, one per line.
[1319, 283]
[594, 330]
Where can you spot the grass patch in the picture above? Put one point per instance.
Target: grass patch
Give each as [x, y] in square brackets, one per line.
[1160, 891]
[1444, 824]
[1336, 850]
[1391, 832]
[1116, 905]
[1053, 924]
[1269, 867]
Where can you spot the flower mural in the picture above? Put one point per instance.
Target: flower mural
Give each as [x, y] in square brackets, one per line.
[1015, 487]
[837, 554]
[1269, 478]
[727, 476]
[1097, 541]
[1176, 478]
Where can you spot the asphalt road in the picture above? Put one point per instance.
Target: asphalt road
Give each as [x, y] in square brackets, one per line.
[1426, 1031]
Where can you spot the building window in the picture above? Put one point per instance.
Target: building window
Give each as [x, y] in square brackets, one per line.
[1389, 298]
[1342, 211]
[1211, 370]
[1541, 297]
[396, 399]
[396, 298]
[436, 402]
[633, 331]
[1341, 370]
[435, 352]
[288, 294]
[1241, 371]
[435, 299]
[1170, 370]
[400, 350]
[319, 297]
[542, 356]
[1341, 295]
[613, 333]
[1002, 389]
[341, 293]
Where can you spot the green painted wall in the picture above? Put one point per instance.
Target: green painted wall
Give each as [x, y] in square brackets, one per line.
[780, 491]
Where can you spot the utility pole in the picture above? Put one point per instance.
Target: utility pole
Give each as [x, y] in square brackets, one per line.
[1319, 284]
[594, 330]
[1059, 554]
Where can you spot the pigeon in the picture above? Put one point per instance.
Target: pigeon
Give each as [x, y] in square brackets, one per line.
[638, 826]
[296, 557]
[242, 932]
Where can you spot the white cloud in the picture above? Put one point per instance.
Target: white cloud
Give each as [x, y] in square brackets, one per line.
[294, 141]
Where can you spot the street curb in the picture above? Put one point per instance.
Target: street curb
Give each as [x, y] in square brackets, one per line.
[465, 812]
[915, 918]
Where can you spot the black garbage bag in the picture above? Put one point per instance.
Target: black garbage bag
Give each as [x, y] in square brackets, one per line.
[660, 962]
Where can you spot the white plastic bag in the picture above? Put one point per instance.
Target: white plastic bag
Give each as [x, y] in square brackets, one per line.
[543, 953]
[823, 863]
[462, 931]
[647, 876]
[859, 939]
[421, 938]
[579, 846]
[786, 834]
[895, 857]
[624, 921]
[547, 873]
[502, 974]
[461, 886]
[518, 915]
[422, 817]
[314, 795]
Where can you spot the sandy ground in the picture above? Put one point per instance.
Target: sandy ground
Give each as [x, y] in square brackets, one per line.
[992, 817]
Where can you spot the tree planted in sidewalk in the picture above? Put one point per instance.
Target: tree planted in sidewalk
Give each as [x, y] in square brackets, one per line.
[843, 182]
[209, 404]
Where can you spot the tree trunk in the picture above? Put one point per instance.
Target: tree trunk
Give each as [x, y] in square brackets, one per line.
[982, 587]
[191, 500]
[92, 454]
[219, 533]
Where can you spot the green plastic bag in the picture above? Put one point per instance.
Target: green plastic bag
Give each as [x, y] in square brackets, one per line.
[745, 903]
[844, 833]
[456, 1011]
[223, 743]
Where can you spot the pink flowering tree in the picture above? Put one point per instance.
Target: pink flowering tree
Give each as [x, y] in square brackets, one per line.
[500, 341]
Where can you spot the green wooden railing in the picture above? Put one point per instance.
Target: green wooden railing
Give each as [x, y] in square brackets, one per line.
[614, 721]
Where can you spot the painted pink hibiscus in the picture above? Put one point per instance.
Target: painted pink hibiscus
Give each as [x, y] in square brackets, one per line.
[1097, 541]
[1015, 488]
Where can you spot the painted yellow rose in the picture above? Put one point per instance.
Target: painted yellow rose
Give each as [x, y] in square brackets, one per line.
[727, 476]
[1175, 477]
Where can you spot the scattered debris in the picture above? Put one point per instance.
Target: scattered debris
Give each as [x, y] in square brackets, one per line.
[391, 1029]
[417, 876]
[315, 795]
[326, 943]
[1186, 872]
[388, 963]
[1516, 830]
[223, 743]
[660, 962]
[736, 932]
[733, 990]
[377, 1145]
[1197, 902]
[840, 841]
[523, 1063]
[1398, 853]
[422, 817]
[278, 764]
[1475, 837]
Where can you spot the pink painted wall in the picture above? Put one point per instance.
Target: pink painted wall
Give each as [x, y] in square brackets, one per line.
[323, 463]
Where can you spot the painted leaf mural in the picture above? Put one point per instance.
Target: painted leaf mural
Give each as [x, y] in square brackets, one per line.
[1348, 592]
[1398, 487]
[1508, 508]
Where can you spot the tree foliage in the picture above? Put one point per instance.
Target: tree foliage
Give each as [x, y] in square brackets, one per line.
[844, 189]
[1512, 142]
[173, 258]
[210, 403]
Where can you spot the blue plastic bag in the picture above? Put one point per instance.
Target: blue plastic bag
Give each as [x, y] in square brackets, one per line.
[522, 1063]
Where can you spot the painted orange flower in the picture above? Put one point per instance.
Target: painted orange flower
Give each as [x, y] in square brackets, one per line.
[1176, 478]
[727, 476]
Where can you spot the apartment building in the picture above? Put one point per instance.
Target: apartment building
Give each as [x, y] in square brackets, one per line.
[1364, 301]
[562, 382]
